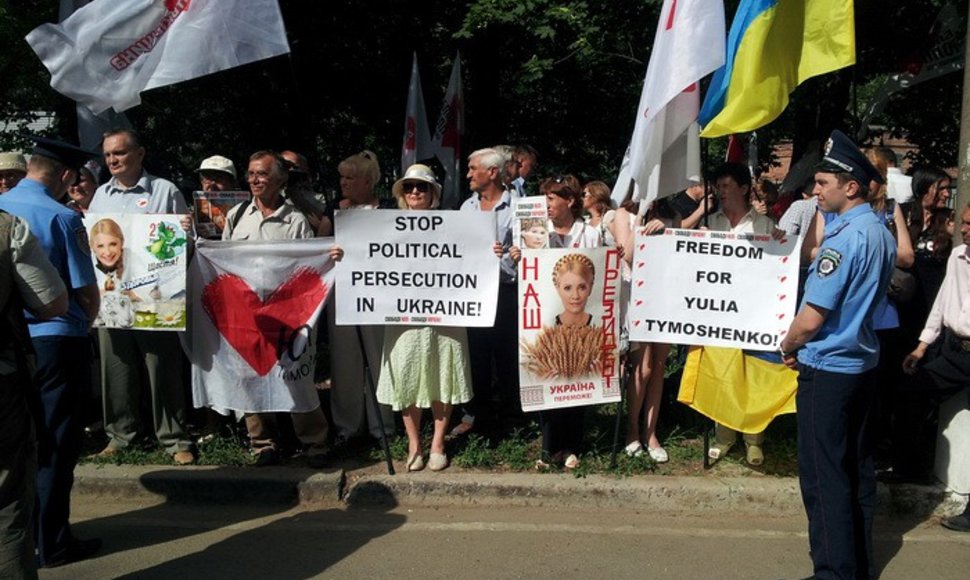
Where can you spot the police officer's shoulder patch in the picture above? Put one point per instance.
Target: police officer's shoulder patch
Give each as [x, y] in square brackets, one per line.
[81, 237]
[828, 262]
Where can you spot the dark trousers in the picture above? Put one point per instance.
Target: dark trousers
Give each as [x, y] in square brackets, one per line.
[62, 377]
[835, 470]
[915, 426]
[496, 348]
[562, 430]
[18, 470]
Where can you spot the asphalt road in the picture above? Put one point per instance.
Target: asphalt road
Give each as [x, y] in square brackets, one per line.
[181, 542]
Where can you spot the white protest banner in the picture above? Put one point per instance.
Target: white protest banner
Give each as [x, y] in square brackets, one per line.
[530, 222]
[210, 209]
[108, 52]
[254, 305]
[569, 327]
[416, 267]
[140, 265]
[713, 288]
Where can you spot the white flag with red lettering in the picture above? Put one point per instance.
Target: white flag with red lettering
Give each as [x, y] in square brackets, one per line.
[254, 307]
[109, 51]
[689, 44]
[417, 136]
[447, 137]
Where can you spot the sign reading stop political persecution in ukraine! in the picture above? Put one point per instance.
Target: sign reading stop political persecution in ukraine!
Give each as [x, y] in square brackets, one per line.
[569, 326]
[713, 288]
[140, 265]
[416, 267]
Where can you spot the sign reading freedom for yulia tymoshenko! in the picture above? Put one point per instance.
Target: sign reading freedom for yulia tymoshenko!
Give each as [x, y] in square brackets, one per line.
[713, 288]
[432, 268]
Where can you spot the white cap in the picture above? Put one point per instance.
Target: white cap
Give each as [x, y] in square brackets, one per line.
[218, 163]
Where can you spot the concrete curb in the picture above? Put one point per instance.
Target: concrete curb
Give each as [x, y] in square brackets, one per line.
[210, 484]
[743, 495]
[291, 486]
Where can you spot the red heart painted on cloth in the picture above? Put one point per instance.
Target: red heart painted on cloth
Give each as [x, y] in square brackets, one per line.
[783, 296]
[642, 246]
[639, 302]
[780, 316]
[783, 333]
[639, 265]
[784, 260]
[782, 279]
[783, 241]
[636, 323]
[639, 283]
[260, 330]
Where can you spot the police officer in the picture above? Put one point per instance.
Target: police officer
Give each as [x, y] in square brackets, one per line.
[27, 279]
[62, 344]
[834, 346]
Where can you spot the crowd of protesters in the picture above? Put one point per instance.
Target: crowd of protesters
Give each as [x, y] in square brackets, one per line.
[469, 373]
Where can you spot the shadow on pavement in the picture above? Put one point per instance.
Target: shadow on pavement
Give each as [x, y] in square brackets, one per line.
[890, 527]
[301, 545]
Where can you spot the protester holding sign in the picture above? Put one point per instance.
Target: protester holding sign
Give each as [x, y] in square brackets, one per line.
[648, 359]
[562, 429]
[424, 366]
[129, 358]
[494, 350]
[737, 214]
[352, 416]
[268, 217]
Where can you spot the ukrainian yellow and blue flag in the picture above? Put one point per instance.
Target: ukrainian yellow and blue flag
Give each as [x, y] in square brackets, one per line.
[742, 390]
[773, 46]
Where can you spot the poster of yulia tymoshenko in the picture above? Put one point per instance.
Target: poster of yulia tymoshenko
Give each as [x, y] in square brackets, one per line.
[139, 261]
[569, 327]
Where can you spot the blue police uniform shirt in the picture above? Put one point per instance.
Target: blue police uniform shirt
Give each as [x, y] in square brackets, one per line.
[886, 315]
[62, 235]
[848, 277]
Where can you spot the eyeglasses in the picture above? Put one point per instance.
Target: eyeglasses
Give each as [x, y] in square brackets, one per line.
[419, 186]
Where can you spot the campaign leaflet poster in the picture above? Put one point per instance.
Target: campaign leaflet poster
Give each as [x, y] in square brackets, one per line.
[210, 209]
[139, 260]
[530, 223]
[569, 327]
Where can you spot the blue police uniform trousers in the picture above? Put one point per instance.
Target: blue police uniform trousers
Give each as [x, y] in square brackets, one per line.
[836, 470]
[63, 379]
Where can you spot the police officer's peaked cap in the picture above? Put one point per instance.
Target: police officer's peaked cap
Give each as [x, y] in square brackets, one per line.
[71, 156]
[842, 156]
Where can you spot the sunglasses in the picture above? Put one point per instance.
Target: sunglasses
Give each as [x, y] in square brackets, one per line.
[420, 186]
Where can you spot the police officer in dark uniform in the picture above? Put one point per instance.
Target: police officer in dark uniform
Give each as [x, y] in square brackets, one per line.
[27, 280]
[62, 344]
[832, 343]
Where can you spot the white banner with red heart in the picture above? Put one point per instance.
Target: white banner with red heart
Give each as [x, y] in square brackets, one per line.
[254, 307]
[713, 288]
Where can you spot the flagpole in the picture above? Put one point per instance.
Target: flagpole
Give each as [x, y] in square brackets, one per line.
[625, 376]
[373, 400]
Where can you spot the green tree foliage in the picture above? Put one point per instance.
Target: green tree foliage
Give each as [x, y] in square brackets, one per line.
[564, 76]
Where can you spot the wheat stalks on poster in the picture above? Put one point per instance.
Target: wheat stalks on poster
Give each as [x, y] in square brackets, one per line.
[564, 352]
